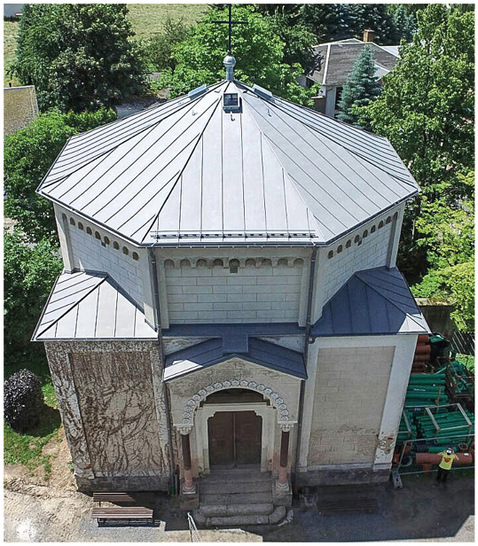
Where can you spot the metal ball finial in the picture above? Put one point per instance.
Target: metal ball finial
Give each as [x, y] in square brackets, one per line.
[229, 63]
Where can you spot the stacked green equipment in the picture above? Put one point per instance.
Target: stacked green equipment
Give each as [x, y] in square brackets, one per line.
[426, 390]
[446, 427]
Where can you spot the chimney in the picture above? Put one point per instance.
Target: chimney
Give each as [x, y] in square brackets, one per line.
[368, 35]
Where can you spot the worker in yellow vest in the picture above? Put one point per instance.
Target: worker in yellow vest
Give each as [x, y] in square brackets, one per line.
[445, 464]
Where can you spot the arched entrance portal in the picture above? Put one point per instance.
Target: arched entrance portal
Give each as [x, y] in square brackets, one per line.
[235, 429]
[234, 437]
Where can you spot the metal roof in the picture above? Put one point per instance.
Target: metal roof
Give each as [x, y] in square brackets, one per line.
[372, 302]
[213, 351]
[340, 57]
[90, 306]
[187, 172]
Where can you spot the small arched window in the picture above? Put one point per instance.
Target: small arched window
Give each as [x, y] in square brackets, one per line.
[357, 239]
[72, 221]
[169, 264]
[330, 254]
[135, 256]
[106, 240]
[373, 229]
[81, 226]
[339, 249]
[381, 224]
[282, 261]
[388, 220]
[218, 263]
[97, 235]
[125, 251]
[266, 262]
[89, 231]
[250, 262]
[298, 262]
[201, 263]
[365, 234]
[348, 244]
[185, 263]
[233, 266]
[116, 245]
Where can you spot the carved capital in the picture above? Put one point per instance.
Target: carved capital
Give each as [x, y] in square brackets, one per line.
[184, 430]
[286, 426]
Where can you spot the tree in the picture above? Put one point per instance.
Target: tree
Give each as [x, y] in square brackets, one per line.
[159, 48]
[329, 22]
[361, 87]
[426, 110]
[375, 17]
[29, 273]
[78, 56]
[28, 154]
[404, 25]
[258, 51]
[23, 400]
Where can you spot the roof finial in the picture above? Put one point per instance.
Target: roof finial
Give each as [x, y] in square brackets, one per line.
[229, 61]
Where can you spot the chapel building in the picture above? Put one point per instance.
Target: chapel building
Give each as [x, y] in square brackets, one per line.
[230, 300]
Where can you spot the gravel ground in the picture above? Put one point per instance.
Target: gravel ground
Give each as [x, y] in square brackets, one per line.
[39, 509]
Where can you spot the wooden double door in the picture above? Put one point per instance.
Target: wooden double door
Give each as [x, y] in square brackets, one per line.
[235, 438]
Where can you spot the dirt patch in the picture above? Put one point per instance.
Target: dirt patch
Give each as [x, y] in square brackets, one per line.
[61, 475]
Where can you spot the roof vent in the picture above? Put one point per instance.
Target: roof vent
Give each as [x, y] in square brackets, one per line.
[198, 91]
[263, 93]
[231, 102]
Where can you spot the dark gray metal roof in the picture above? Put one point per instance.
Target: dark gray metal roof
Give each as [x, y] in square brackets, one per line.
[208, 353]
[372, 302]
[340, 57]
[90, 306]
[187, 172]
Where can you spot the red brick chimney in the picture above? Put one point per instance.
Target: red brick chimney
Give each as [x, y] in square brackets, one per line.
[368, 35]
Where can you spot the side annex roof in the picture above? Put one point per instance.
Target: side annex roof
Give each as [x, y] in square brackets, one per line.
[91, 306]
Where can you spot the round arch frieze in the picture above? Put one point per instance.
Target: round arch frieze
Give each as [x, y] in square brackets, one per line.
[192, 404]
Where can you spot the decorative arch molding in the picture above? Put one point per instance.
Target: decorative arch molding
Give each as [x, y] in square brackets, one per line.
[276, 400]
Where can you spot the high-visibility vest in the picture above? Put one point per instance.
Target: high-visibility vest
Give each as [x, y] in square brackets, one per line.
[447, 461]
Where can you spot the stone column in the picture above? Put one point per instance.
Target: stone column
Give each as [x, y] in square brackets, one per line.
[189, 487]
[283, 459]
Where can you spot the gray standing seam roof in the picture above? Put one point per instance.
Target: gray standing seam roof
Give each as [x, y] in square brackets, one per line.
[187, 172]
[208, 353]
[90, 306]
[372, 302]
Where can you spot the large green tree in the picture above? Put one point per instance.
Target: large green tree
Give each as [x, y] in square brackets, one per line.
[29, 273]
[28, 154]
[361, 87]
[259, 53]
[426, 110]
[78, 56]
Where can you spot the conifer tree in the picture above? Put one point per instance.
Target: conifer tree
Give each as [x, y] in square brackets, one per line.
[361, 87]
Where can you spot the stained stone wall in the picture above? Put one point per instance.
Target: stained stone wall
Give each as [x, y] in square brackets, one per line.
[351, 388]
[112, 404]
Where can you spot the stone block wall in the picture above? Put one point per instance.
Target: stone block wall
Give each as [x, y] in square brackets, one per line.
[363, 249]
[112, 405]
[219, 291]
[351, 387]
[94, 249]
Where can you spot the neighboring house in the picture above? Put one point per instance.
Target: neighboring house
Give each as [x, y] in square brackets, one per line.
[20, 108]
[230, 307]
[12, 10]
[335, 63]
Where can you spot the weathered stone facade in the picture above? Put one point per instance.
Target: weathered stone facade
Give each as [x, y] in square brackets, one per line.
[111, 399]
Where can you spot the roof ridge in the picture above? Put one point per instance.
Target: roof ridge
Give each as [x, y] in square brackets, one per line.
[358, 275]
[101, 281]
[199, 137]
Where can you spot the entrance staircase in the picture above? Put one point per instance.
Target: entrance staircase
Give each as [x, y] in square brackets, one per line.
[237, 497]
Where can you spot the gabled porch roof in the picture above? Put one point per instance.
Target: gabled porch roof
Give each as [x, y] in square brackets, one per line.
[214, 351]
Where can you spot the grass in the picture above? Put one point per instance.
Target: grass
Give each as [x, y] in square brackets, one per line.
[10, 31]
[145, 18]
[468, 361]
[27, 448]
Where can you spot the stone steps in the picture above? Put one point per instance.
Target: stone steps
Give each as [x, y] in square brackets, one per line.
[239, 520]
[237, 497]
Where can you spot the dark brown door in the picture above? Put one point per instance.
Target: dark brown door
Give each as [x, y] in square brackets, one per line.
[234, 438]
